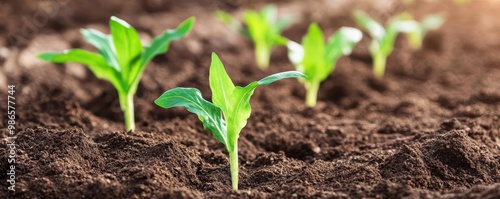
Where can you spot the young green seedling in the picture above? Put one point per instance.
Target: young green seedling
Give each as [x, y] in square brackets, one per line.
[122, 58]
[383, 38]
[264, 28]
[431, 22]
[228, 113]
[317, 59]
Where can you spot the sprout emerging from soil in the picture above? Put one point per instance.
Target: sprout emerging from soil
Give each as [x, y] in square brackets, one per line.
[228, 113]
[431, 22]
[264, 28]
[122, 58]
[316, 59]
[383, 38]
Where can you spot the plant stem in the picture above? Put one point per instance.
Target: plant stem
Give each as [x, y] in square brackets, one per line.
[379, 61]
[262, 56]
[233, 164]
[127, 106]
[312, 89]
[415, 42]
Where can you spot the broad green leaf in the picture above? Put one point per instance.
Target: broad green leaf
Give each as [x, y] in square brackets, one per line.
[221, 85]
[239, 112]
[103, 43]
[256, 26]
[93, 61]
[314, 51]
[191, 99]
[279, 76]
[128, 47]
[341, 43]
[159, 44]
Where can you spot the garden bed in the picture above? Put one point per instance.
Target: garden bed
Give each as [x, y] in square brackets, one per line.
[429, 129]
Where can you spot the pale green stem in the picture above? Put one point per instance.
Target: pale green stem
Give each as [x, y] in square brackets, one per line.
[233, 164]
[127, 106]
[379, 61]
[312, 89]
[262, 56]
[415, 41]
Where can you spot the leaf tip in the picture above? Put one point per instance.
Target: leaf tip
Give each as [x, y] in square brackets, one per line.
[215, 56]
[190, 21]
[45, 56]
[117, 20]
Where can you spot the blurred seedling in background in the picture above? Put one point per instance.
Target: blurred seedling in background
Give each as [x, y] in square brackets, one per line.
[430, 22]
[263, 28]
[230, 110]
[383, 39]
[122, 58]
[317, 59]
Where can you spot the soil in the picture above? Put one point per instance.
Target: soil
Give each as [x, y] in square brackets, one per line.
[429, 129]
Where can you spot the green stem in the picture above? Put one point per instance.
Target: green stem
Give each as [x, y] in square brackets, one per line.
[127, 106]
[379, 61]
[233, 164]
[312, 89]
[415, 41]
[262, 56]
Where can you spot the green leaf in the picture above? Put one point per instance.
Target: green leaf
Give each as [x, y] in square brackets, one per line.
[279, 76]
[127, 45]
[160, 44]
[281, 41]
[103, 43]
[375, 29]
[314, 51]
[257, 27]
[238, 114]
[93, 61]
[341, 43]
[191, 99]
[221, 85]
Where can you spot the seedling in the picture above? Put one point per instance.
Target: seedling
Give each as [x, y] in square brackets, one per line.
[228, 113]
[431, 22]
[383, 38]
[122, 58]
[264, 28]
[316, 59]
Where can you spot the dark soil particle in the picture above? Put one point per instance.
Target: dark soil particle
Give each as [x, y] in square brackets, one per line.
[429, 129]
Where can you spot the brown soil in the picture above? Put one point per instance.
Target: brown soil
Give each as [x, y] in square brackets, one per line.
[429, 129]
